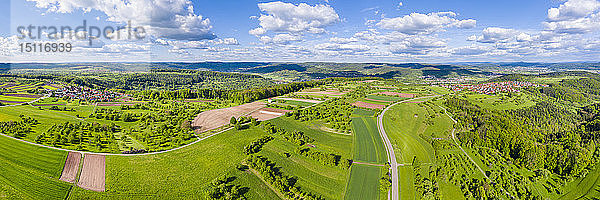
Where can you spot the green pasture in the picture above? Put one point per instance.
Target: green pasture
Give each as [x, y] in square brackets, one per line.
[179, 174]
[362, 113]
[314, 177]
[325, 141]
[384, 98]
[19, 99]
[31, 172]
[501, 101]
[403, 123]
[363, 183]
[368, 146]
[295, 103]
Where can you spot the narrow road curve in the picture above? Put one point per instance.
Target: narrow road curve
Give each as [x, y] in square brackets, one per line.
[393, 194]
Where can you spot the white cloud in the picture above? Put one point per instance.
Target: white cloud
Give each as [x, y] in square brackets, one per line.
[574, 16]
[230, 41]
[417, 23]
[173, 19]
[280, 39]
[573, 9]
[346, 48]
[470, 50]
[290, 18]
[495, 34]
[339, 40]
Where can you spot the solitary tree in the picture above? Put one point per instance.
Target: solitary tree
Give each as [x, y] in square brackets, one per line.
[233, 120]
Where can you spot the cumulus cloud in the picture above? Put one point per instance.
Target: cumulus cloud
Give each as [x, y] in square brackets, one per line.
[470, 50]
[495, 34]
[284, 38]
[574, 16]
[173, 19]
[346, 48]
[289, 18]
[417, 23]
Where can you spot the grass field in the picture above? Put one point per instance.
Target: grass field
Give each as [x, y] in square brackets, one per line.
[179, 174]
[406, 179]
[330, 142]
[19, 99]
[30, 172]
[312, 176]
[362, 113]
[584, 188]
[500, 101]
[295, 103]
[384, 98]
[368, 146]
[363, 183]
[403, 123]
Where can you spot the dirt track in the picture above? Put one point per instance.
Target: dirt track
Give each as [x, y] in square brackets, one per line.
[69, 173]
[93, 173]
[212, 119]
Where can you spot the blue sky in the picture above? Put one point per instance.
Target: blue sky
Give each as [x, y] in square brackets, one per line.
[429, 31]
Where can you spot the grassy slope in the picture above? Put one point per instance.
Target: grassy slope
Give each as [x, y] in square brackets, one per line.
[403, 129]
[312, 176]
[330, 142]
[584, 188]
[30, 172]
[180, 174]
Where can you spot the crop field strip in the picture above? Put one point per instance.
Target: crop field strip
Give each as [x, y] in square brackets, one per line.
[31, 171]
[363, 183]
[368, 145]
[93, 173]
[69, 173]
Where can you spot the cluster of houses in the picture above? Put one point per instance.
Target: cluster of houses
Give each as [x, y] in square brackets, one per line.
[86, 94]
[493, 88]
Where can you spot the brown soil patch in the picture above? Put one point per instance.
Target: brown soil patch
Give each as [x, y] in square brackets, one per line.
[403, 95]
[264, 114]
[69, 173]
[368, 105]
[93, 173]
[24, 95]
[212, 119]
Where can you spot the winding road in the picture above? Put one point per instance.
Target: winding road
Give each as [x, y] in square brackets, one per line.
[393, 194]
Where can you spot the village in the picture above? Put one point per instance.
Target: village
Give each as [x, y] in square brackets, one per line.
[493, 88]
[86, 94]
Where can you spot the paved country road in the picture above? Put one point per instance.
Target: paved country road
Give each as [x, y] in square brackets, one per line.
[394, 191]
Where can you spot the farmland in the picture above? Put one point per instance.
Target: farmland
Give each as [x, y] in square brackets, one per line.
[306, 140]
[31, 172]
